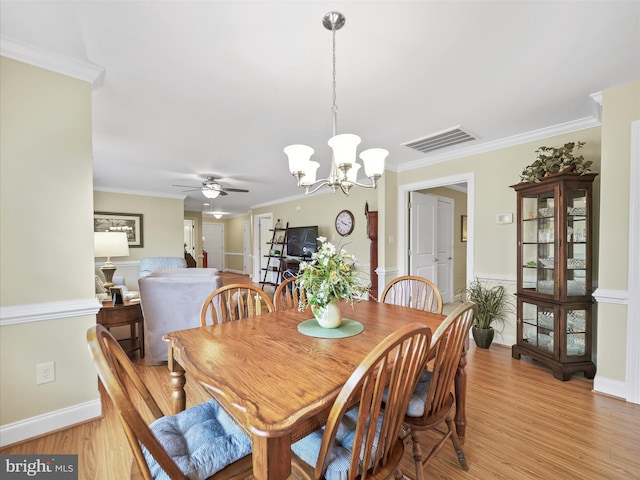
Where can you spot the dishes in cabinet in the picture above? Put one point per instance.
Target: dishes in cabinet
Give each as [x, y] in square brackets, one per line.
[545, 212]
[576, 263]
[576, 210]
[545, 320]
[547, 262]
[576, 321]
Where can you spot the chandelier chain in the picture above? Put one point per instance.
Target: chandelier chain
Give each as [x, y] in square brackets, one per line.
[334, 107]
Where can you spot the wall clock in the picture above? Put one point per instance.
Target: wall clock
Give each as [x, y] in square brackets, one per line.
[345, 223]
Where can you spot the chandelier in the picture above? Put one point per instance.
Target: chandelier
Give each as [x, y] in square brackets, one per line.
[344, 167]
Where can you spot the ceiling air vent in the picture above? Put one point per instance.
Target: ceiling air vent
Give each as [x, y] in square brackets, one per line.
[445, 138]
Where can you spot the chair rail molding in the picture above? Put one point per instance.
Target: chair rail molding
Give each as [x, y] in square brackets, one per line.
[37, 312]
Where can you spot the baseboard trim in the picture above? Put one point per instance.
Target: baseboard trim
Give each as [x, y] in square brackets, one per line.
[49, 422]
[607, 386]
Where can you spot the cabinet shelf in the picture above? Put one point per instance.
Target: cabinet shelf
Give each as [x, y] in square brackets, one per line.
[554, 278]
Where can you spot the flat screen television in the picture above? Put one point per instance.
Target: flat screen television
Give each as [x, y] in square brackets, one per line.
[301, 241]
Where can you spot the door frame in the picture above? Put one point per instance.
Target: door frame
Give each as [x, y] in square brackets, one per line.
[257, 250]
[403, 217]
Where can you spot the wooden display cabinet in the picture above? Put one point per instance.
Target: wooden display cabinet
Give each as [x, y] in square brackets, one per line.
[554, 307]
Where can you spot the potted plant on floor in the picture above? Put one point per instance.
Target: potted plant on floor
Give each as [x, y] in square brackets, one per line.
[493, 307]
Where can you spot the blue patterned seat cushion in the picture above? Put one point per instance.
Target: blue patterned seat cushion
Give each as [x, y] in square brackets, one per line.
[308, 448]
[201, 441]
[418, 399]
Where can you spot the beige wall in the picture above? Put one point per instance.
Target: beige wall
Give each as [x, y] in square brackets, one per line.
[494, 172]
[621, 106]
[234, 242]
[321, 209]
[162, 222]
[46, 246]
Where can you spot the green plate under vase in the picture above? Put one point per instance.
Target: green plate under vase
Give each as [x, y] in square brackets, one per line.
[348, 328]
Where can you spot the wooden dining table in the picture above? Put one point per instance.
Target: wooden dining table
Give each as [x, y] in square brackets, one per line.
[279, 384]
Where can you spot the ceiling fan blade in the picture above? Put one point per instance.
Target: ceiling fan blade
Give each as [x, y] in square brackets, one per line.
[187, 186]
[222, 192]
[235, 190]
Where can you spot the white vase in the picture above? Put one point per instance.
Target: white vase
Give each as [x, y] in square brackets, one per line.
[329, 316]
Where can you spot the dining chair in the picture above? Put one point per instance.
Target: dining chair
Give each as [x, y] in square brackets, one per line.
[432, 402]
[288, 294]
[412, 291]
[233, 302]
[201, 442]
[363, 441]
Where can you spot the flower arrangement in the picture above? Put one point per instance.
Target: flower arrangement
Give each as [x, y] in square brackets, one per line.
[330, 275]
[556, 159]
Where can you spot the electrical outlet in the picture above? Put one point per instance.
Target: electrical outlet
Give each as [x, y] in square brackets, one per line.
[45, 372]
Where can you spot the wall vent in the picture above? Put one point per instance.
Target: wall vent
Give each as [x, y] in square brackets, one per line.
[436, 141]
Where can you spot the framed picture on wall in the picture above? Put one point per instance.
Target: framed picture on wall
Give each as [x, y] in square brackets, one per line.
[130, 223]
[463, 228]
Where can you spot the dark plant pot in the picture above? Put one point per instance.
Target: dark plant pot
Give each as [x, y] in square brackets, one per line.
[482, 336]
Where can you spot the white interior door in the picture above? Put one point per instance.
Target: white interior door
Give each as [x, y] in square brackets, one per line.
[189, 237]
[213, 244]
[431, 241]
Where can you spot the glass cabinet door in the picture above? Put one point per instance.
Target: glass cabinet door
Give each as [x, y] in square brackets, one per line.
[538, 243]
[538, 326]
[577, 231]
[576, 333]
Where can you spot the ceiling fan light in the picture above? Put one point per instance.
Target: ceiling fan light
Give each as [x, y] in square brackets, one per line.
[299, 156]
[210, 193]
[373, 160]
[344, 148]
[218, 216]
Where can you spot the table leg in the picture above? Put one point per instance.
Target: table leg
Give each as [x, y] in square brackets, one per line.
[461, 393]
[271, 457]
[178, 396]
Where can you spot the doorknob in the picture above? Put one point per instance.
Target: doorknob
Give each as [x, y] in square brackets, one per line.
[437, 259]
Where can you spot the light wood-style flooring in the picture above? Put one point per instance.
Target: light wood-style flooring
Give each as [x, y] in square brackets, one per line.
[523, 424]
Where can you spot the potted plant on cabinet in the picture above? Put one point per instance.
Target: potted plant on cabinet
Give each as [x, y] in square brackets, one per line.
[552, 160]
[493, 307]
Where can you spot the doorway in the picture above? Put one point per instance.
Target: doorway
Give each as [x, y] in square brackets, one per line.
[261, 239]
[468, 181]
[430, 252]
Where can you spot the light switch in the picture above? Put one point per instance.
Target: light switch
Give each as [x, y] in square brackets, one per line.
[504, 218]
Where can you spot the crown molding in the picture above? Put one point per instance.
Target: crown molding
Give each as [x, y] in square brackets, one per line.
[142, 193]
[39, 57]
[546, 132]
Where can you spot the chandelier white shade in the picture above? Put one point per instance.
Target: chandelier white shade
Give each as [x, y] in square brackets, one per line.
[344, 167]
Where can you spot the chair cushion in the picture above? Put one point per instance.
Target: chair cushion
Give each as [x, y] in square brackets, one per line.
[418, 399]
[201, 441]
[308, 448]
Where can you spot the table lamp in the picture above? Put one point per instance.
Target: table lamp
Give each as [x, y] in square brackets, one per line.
[110, 244]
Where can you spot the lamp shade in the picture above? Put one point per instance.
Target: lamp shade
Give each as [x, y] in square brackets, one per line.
[299, 156]
[309, 176]
[110, 244]
[373, 160]
[344, 148]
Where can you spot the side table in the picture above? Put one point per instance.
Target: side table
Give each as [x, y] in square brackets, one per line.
[122, 315]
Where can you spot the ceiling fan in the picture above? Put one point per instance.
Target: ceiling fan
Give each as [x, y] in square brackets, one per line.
[211, 188]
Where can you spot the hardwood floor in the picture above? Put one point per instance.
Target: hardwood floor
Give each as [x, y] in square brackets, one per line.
[522, 424]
